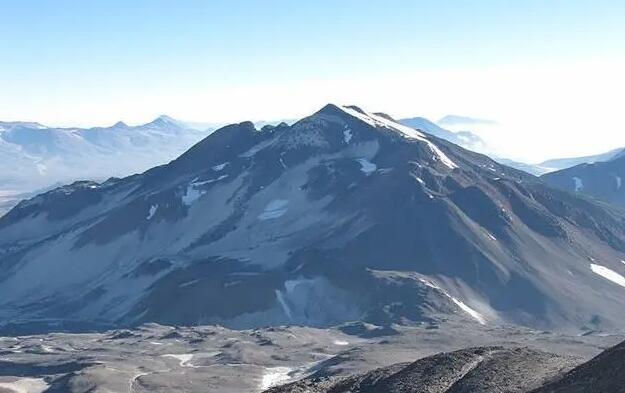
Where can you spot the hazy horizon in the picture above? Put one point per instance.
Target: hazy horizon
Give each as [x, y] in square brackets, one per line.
[547, 73]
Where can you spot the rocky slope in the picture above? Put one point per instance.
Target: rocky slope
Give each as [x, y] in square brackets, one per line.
[604, 373]
[483, 369]
[345, 215]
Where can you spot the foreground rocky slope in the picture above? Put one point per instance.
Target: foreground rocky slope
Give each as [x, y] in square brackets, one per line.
[605, 373]
[483, 369]
[345, 215]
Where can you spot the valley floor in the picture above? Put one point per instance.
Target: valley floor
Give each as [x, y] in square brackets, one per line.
[155, 358]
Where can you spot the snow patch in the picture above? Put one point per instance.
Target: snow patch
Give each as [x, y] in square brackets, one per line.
[579, 185]
[341, 343]
[274, 376]
[152, 212]
[47, 349]
[191, 195]
[274, 209]
[184, 358]
[284, 305]
[255, 149]
[25, 385]
[379, 121]
[619, 182]
[347, 135]
[608, 274]
[219, 167]
[201, 183]
[366, 166]
[188, 283]
[474, 314]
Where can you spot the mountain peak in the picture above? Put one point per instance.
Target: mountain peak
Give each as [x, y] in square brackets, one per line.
[166, 118]
[165, 121]
[120, 124]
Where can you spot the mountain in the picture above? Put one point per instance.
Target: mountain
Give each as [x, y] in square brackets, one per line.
[602, 180]
[34, 156]
[344, 215]
[466, 139]
[563, 163]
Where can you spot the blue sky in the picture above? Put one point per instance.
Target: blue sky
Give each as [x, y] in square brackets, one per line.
[88, 62]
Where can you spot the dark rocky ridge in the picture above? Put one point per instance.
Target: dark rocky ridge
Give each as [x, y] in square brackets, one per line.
[483, 370]
[604, 373]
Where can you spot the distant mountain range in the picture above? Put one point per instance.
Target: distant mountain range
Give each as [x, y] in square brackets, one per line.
[46, 155]
[601, 178]
[563, 163]
[34, 156]
[344, 215]
[557, 164]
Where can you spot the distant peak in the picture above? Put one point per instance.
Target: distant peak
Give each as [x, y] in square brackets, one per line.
[120, 124]
[166, 118]
[165, 121]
